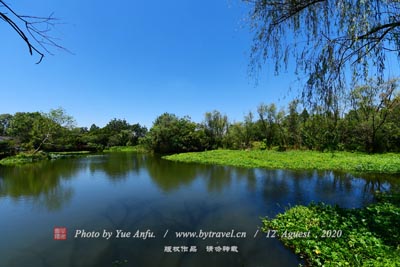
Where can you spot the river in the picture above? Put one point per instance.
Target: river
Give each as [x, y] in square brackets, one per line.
[154, 200]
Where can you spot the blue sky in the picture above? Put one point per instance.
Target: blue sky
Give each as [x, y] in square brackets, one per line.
[135, 60]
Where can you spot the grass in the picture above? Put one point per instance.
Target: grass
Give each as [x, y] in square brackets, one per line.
[369, 236]
[26, 157]
[137, 148]
[23, 158]
[295, 159]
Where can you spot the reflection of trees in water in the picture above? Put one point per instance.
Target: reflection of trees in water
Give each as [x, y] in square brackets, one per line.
[275, 186]
[169, 175]
[361, 188]
[380, 182]
[117, 165]
[40, 182]
[251, 179]
[302, 187]
[54, 199]
[220, 177]
[329, 185]
[217, 177]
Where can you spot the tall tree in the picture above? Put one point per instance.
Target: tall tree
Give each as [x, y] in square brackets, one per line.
[325, 39]
[268, 116]
[171, 134]
[249, 129]
[33, 129]
[21, 126]
[372, 105]
[51, 127]
[293, 125]
[216, 127]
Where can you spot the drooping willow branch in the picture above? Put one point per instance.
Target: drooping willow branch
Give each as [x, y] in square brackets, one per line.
[325, 40]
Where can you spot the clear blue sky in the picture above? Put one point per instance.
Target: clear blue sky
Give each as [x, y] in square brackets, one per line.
[135, 60]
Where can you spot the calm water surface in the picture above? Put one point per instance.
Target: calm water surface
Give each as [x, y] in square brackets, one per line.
[131, 192]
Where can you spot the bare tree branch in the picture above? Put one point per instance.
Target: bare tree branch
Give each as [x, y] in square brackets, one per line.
[33, 30]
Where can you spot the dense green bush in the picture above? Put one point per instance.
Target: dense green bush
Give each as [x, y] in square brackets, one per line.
[341, 237]
[171, 134]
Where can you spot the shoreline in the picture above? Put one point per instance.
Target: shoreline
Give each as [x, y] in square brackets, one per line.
[27, 157]
[388, 163]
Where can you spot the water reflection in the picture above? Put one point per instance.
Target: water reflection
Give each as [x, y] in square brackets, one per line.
[345, 190]
[39, 182]
[169, 176]
[116, 165]
[42, 181]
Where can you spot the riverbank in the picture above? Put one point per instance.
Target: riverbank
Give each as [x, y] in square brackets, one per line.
[303, 160]
[331, 236]
[24, 157]
[137, 148]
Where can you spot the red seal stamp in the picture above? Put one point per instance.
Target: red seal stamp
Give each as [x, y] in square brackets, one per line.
[60, 233]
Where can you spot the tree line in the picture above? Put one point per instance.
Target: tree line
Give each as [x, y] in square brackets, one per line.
[370, 124]
[56, 131]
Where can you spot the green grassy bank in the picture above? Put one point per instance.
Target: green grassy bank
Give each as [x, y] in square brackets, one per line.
[23, 157]
[26, 157]
[341, 161]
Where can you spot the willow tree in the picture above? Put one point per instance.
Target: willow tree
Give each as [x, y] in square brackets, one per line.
[333, 43]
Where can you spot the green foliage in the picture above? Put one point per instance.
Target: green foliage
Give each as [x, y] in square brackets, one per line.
[258, 145]
[23, 158]
[137, 148]
[5, 120]
[21, 127]
[268, 121]
[6, 147]
[236, 136]
[292, 124]
[317, 129]
[372, 104]
[215, 127]
[341, 161]
[36, 130]
[119, 133]
[171, 134]
[56, 131]
[357, 237]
